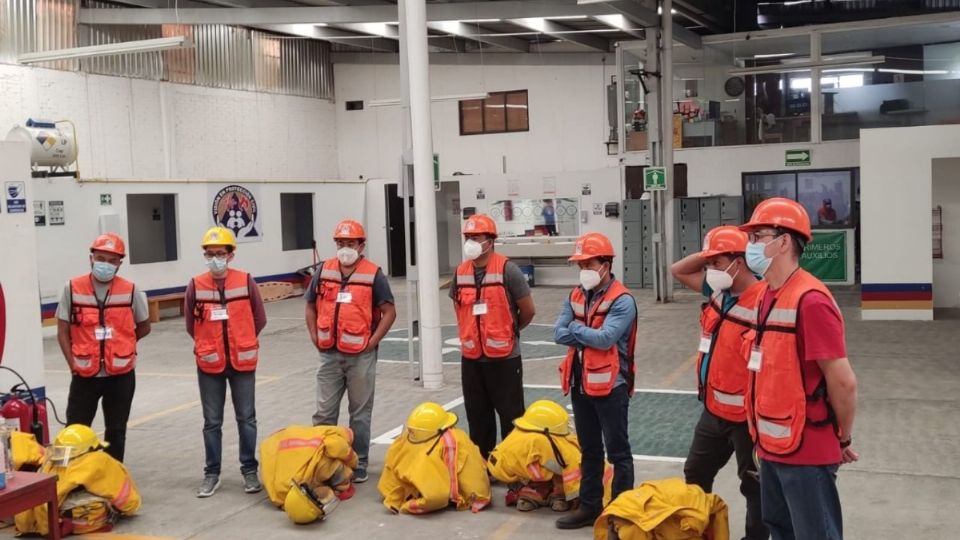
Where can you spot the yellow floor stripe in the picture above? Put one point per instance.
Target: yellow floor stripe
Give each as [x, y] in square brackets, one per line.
[114, 536]
[507, 528]
[678, 372]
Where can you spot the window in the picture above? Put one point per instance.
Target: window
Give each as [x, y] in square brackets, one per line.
[826, 195]
[536, 217]
[500, 112]
[296, 220]
[152, 227]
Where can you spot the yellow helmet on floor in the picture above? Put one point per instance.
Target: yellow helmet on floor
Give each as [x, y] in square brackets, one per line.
[218, 236]
[304, 505]
[427, 420]
[80, 439]
[544, 415]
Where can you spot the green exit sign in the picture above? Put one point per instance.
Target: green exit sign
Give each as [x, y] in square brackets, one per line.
[797, 158]
[655, 179]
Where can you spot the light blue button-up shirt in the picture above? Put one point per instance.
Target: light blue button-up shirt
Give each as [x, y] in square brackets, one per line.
[615, 329]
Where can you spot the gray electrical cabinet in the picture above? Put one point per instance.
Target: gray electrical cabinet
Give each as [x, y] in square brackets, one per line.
[693, 217]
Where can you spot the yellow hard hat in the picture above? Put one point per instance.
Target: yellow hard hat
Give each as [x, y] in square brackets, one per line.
[304, 505]
[427, 420]
[218, 236]
[544, 415]
[80, 439]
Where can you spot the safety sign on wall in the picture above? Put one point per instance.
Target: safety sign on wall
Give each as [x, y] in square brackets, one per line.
[55, 213]
[39, 213]
[16, 197]
[236, 208]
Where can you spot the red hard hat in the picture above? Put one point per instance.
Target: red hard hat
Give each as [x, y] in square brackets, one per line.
[592, 245]
[349, 229]
[724, 239]
[782, 214]
[480, 224]
[111, 243]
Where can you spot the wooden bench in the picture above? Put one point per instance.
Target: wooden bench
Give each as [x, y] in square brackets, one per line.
[164, 301]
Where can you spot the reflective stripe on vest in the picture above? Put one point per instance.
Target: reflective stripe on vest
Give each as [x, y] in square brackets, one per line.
[492, 334]
[118, 352]
[233, 339]
[346, 326]
[773, 430]
[735, 400]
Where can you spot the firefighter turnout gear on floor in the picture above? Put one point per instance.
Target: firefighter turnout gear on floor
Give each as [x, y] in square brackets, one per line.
[667, 509]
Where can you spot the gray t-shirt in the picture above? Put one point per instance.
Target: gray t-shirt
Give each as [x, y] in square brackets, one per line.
[517, 288]
[141, 311]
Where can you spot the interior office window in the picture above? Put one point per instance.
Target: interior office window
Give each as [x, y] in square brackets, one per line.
[536, 217]
[152, 227]
[758, 187]
[500, 112]
[826, 195]
[296, 220]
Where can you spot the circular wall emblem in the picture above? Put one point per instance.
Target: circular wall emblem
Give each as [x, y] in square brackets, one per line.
[235, 208]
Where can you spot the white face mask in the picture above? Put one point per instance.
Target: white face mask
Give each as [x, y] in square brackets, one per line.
[720, 280]
[347, 255]
[589, 279]
[472, 249]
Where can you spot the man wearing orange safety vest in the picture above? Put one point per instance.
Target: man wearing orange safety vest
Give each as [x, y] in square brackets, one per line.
[224, 315]
[720, 272]
[492, 302]
[100, 318]
[802, 393]
[350, 309]
[598, 323]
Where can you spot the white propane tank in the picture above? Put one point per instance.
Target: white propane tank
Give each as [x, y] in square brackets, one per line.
[49, 146]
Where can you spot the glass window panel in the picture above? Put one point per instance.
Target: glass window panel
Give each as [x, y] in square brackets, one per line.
[494, 117]
[826, 197]
[759, 187]
[517, 114]
[471, 116]
[536, 217]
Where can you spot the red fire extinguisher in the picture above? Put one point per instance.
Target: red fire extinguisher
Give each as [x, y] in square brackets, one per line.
[22, 406]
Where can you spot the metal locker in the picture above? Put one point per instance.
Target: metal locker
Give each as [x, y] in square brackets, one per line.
[631, 210]
[706, 225]
[647, 276]
[632, 252]
[689, 249]
[633, 275]
[689, 210]
[710, 208]
[688, 233]
[731, 208]
[631, 231]
[734, 222]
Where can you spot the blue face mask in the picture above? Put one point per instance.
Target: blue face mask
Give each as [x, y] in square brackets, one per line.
[103, 271]
[757, 260]
[217, 265]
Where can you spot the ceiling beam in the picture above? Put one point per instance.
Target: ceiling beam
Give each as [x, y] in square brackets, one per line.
[560, 31]
[648, 18]
[334, 35]
[480, 34]
[623, 24]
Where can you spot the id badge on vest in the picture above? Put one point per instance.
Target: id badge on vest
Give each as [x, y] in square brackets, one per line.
[344, 297]
[103, 333]
[219, 314]
[705, 342]
[756, 359]
[480, 308]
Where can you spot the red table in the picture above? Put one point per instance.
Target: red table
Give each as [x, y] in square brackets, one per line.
[26, 490]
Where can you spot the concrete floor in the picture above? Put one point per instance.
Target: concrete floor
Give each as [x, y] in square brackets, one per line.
[907, 429]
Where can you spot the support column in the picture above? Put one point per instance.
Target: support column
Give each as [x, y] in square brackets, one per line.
[816, 94]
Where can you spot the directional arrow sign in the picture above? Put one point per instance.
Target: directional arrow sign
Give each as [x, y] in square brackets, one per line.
[797, 158]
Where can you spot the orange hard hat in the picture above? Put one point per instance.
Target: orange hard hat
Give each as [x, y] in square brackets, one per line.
[349, 229]
[111, 243]
[724, 239]
[592, 245]
[480, 224]
[783, 214]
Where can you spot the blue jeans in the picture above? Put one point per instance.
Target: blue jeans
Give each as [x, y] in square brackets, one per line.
[602, 421]
[357, 375]
[213, 394]
[801, 501]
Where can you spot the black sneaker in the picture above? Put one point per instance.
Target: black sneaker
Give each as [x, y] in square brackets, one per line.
[209, 486]
[360, 476]
[251, 484]
[579, 519]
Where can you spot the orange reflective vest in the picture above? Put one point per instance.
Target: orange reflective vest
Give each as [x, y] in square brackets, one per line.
[102, 332]
[778, 406]
[223, 324]
[721, 333]
[345, 312]
[484, 319]
[600, 367]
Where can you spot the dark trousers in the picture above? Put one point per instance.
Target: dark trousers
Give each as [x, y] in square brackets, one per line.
[602, 421]
[714, 441]
[488, 388]
[213, 395]
[117, 395]
[800, 502]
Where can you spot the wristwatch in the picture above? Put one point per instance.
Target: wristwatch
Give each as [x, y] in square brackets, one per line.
[846, 443]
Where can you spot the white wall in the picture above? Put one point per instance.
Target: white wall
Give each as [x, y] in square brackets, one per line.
[567, 106]
[946, 271]
[23, 350]
[895, 201]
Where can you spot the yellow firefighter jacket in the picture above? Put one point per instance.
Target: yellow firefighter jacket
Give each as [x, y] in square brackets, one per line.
[427, 476]
[526, 456]
[26, 451]
[665, 510]
[92, 489]
[312, 455]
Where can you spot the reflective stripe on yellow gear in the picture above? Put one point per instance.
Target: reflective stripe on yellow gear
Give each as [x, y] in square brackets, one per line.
[417, 477]
[95, 473]
[525, 457]
[312, 455]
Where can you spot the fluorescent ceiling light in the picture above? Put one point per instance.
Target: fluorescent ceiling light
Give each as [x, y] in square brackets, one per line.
[127, 47]
[660, 10]
[567, 18]
[774, 55]
[456, 97]
[616, 20]
[477, 21]
[806, 66]
[322, 24]
[536, 23]
[914, 71]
